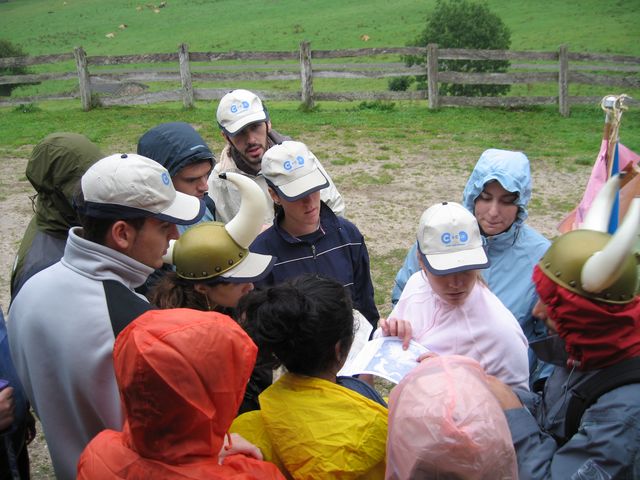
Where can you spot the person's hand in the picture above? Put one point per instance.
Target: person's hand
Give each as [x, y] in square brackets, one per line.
[238, 445]
[503, 393]
[7, 408]
[392, 327]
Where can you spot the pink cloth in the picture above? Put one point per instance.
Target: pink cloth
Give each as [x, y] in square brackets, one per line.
[444, 422]
[482, 328]
[599, 175]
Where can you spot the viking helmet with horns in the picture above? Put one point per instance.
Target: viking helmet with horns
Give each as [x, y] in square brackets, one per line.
[213, 249]
[592, 263]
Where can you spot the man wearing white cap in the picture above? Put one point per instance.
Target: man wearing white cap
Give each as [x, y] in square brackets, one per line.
[63, 322]
[246, 126]
[446, 306]
[306, 236]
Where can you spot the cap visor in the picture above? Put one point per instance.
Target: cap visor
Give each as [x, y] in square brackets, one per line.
[303, 186]
[460, 261]
[185, 210]
[253, 268]
[235, 127]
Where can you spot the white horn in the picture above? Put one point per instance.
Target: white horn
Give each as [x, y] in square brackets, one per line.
[247, 224]
[604, 267]
[599, 214]
[168, 257]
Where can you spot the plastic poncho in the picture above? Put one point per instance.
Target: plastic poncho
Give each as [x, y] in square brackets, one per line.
[315, 429]
[54, 170]
[513, 253]
[444, 422]
[182, 375]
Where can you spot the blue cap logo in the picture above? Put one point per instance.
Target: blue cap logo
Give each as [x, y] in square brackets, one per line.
[165, 178]
[235, 108]
[459, 238]
[299, 163]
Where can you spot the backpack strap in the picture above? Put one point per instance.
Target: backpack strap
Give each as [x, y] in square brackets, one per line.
[211, 205]
[585, 395]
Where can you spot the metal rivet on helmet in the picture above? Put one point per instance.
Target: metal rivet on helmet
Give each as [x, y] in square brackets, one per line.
[558, 273]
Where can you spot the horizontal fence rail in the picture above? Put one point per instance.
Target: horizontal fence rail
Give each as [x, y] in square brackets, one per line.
[306, 65]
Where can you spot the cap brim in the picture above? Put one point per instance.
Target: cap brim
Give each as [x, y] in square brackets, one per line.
[303, 186]
[460, 261]
[235, 127]
[185, 210]
[253, 268]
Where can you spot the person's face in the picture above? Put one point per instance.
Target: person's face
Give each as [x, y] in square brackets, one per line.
[251, 142]
[540, 311]
[453, 288]
[495, 209]
[225, 294]
[301, 216]
[151, 242]
[192, 179]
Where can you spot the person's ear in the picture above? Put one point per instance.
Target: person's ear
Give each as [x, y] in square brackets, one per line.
[200, 288]
[340, 358]
[121, 236]
[268, 126]
[225, 136]
[274, 196]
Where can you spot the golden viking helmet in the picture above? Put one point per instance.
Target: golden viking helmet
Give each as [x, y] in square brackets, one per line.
[593, 263]
[210, 249]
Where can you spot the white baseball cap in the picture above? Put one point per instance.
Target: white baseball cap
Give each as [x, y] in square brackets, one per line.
[240, 108]
[292, 170]
[128, 185]
[449, 239]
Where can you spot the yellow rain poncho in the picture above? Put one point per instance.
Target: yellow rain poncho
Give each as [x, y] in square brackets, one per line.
[312, 428]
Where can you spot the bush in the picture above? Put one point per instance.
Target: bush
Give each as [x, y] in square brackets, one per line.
[465, 24]
[400, 84]
[8, 49]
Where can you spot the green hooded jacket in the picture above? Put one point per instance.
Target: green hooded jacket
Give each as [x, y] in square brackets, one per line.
[54, 170]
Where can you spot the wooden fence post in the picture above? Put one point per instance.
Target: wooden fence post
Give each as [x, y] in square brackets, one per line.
[563, 81]
[84, 80]
[306, 75]
[432, 74]
[185, 76]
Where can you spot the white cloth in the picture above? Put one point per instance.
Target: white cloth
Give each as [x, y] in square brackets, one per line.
[481, 328]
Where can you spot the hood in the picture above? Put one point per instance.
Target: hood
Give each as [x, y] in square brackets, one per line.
[174, 146]
[509, 168]
[182, 375]
[54, 170]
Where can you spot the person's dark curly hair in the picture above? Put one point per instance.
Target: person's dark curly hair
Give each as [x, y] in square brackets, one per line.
[299, 322]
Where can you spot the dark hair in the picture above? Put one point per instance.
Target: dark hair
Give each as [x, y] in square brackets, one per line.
[298, 323]
[95, 229]
[173, 292]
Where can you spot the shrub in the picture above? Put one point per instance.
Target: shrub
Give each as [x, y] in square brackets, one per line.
[465, 24]
[8, 49]
[400, 84]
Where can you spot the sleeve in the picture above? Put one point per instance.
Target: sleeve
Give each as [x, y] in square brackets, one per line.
[606, 445]
[364, 300]
[409, 267]
[331, 196]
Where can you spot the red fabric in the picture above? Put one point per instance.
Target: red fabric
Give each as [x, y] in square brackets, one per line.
[182, 375]
[596, 334]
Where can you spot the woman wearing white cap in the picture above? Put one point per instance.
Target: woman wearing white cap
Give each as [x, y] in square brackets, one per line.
[214, 268]
[447, 307]
[306, 236]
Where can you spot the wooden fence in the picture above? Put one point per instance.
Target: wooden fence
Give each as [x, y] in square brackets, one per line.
[561, 67]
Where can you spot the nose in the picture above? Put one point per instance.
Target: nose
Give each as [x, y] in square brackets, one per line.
[494, 208]
[173, 232]
[455, 280]
[539, 310]
[202, 184]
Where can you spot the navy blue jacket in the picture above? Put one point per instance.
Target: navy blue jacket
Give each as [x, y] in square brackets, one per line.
[337, 250]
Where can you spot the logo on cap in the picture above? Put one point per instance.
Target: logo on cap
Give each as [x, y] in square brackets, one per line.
[460, 237]
[235, 108]
[299, 163]
[165, 178]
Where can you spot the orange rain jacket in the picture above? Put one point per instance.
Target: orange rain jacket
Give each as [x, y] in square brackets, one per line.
[182, 375]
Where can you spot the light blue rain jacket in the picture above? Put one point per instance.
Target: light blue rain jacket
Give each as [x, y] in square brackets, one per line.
[513, 253]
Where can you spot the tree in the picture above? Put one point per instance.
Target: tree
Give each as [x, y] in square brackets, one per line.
[8, 49]
[465, 24]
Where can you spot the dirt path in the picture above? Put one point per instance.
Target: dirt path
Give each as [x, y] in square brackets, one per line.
[384, 197]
